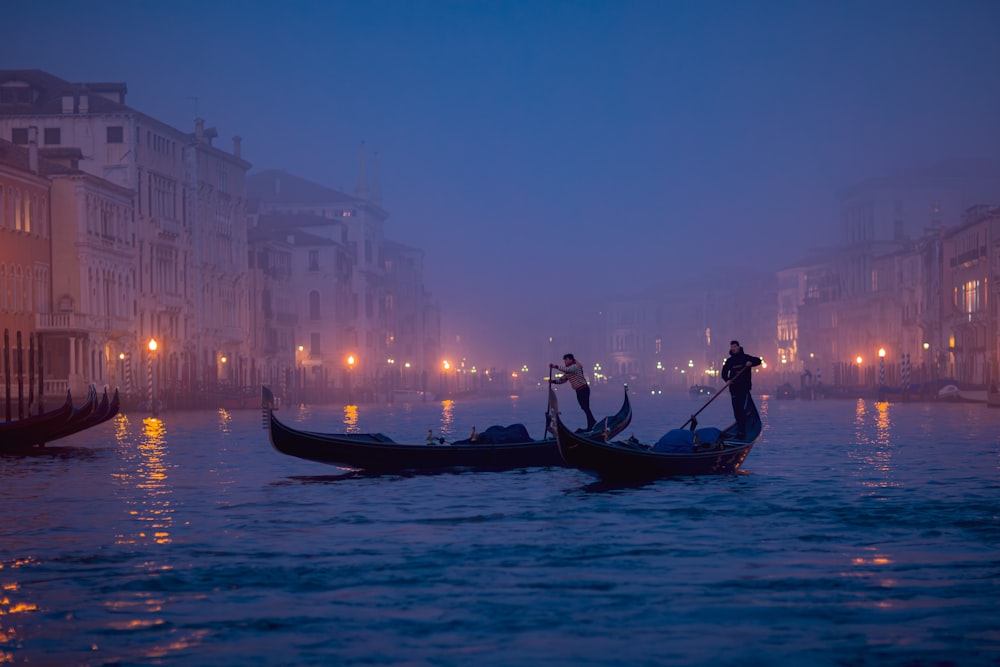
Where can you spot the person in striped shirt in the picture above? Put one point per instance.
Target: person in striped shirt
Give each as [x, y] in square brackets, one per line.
[573, 372]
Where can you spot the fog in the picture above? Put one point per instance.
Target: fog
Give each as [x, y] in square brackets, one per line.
[547, 156]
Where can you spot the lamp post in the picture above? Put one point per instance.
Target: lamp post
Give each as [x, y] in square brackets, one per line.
[350, 370]
[881, 371]
[390, 379]
[149, 374]
[858, 359]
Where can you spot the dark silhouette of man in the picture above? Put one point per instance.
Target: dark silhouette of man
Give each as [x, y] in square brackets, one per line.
[736, 373]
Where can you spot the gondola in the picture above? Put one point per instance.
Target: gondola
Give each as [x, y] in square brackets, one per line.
[30, 430]
[706, 451]
[375, 452]
[100, 413]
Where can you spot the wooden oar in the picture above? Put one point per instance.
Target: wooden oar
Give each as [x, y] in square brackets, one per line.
[548, 407]
[692, 419]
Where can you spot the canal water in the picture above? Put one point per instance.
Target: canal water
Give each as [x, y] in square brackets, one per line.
[858, 533]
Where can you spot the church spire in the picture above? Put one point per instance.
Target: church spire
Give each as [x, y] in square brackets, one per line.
[362, 189]
[376, 190]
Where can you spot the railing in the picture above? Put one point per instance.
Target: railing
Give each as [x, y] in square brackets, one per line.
[51, 322]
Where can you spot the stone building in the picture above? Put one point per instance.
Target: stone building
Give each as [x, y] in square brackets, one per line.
[186, 225]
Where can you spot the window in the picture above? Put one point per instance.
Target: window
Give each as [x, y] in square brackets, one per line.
[116, 134]
[314, 305]
[162, 197]
[19, 135]
[314, 260]
[15, 95]
[53, 136]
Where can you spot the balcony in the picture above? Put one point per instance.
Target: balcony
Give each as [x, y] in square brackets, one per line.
[82, 323]
[169, 229]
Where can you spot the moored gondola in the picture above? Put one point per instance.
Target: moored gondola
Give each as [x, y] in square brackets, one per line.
[101, 412]
[375, 452]
[707, 451]
[31, 430]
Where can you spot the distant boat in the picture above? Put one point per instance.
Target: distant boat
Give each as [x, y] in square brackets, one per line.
[702, 391]
[785, 391]
[411, 396]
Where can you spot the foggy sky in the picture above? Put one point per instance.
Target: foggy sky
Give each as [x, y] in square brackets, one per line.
[545, 154]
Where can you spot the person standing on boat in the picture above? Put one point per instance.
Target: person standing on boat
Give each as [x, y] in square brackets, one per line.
[573, 372]
[736, 373]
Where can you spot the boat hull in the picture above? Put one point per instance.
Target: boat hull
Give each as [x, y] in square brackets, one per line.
[374, 452]
[635, 461]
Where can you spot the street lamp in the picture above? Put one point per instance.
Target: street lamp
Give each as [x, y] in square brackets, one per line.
[149, 375]
[390, 381]
[858, 360]
[351, 360]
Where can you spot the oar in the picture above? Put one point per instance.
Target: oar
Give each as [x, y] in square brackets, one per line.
[729, 382]
[548, 407]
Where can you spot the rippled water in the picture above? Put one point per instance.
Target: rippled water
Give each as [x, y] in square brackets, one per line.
[858, 534]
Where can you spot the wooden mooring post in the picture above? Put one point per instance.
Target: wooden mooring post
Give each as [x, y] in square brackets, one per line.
[14, 365]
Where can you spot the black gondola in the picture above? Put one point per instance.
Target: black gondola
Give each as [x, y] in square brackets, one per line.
[701, 452]
[100, 413]
[30, 430]
[36, 431]
[375, 452]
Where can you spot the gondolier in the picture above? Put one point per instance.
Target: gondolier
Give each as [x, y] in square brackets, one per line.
[573, 372]
[736, 373]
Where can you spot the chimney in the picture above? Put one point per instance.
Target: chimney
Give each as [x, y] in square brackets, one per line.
[33, 149]
[199, 129]
[236, 145]
[84, 103]
[67, 103]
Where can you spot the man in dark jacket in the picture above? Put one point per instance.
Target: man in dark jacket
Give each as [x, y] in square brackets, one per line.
[736, 373]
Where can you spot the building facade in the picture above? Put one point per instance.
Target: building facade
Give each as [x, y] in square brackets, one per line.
[187, 215]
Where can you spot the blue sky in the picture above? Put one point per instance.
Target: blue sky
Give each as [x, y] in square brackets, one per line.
[545, 154]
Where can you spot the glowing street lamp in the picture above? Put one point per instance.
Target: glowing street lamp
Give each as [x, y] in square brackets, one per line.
[881, 367]
[351, 360]
[445, 367]
[153, 345]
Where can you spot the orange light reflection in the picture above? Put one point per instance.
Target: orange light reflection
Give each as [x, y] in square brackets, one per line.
[351, 419]
[447, 418]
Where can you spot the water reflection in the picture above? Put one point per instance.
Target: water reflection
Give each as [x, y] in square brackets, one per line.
[225, 421]
[145, 471]
[10, 607]
[873, 443]
[351, 419]
[447, 418]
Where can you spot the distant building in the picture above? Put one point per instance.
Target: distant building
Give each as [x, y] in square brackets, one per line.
[67, 268]
[362, 296]
[891, 288]
[673, 339]
[25, 263]
[972, 266]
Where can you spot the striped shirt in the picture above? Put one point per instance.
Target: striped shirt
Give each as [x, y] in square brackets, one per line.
[573, 373]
